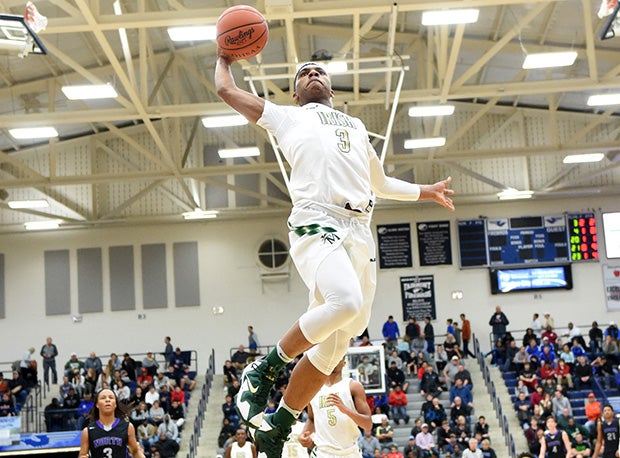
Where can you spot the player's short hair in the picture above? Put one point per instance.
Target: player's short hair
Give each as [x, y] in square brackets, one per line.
[307, 64]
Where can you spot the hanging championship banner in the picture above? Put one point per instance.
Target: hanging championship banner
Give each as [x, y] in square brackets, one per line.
[418, 297]
[394, 242]
[611, 280]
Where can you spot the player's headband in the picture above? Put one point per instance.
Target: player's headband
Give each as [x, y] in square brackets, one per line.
[307, 64]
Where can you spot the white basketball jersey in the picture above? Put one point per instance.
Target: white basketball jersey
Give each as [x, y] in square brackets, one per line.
[332, 428]
[292, 448]
[241, 452]
[329, 153]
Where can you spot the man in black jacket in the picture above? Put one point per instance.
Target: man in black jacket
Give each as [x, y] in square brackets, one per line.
[430, 382]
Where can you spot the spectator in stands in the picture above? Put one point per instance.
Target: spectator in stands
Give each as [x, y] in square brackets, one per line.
[93, 361]
[253, 342]
[498, 354]
[160, 380]
[459, 409]
[426, 442]
[240, 358]
[145, 434]
[411, 450]
[577, 349]
[398, 404]
[463, 432]
[435, 415]
[83, 410]
[74, 364]
[385, 435]
[443, 434]
[7, 409]
[487, 451]
[54, 416]
[529, 335]
[537, 396]
[548, 321]
[451, 447]
[567, 355]
[151, 396]
[604, 370]
[123, 393]
[450, 371]
[441, 358]
[463, 391]
[472, 451]
[561, 403]
[519, 360]
[593, 413]
[550, 335]
[156, 413]
[149, 363]
[390, 332]
[596, 338]
[583, 373]
[168, 349]
[395, 358]
[524, 410]
[573, 428]
[528, 376]
[610, 349]
[452, 349]
[563, 374]
[464, 375]
[129, 365]
[521, 388]
[511, 350]
[166, 446]
[226, 432]
[430, 382]
[546, 370]
[420, 345]
[229, 411]
[19, 390]
[396, 377]
[498, 323]
[536, 326]
[48, 352]
[114, 363]
[481, 428]
[144, 377]
[177, 414]
[549, 387]
[412, 330]
[368, 444]
[365, 342]
[612, 330]
[139, 414]
[429, 335]
[581, 446]
[230, 373]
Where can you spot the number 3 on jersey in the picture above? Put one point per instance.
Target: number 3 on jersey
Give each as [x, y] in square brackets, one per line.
[344, 145]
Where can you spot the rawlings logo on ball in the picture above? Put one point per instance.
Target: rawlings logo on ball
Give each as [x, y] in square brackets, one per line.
[241, 37]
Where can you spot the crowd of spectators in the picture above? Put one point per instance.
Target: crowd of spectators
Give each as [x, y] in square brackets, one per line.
[156, 387]
[548, 365]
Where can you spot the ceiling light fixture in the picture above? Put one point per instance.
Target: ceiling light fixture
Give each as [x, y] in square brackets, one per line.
[224, 121]
[38, 203]
[603, 99]
[192, 33]
[549, 59]
[90, 91]
[29, 133]
[335, 67]
[200, 214]
[41, 225]
[227, 153]
[583, 158]
[447, 17]
[431, 110]
[431, 142]
[514, 194]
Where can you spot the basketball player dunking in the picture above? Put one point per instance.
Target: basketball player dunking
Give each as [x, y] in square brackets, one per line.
[608, 433]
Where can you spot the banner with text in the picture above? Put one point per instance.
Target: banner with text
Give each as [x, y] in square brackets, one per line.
[434, 243]
[394, 241]
[418, 296]
[611, 279]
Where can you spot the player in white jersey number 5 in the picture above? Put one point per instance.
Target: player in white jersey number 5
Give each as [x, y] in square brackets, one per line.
[335, 176]
[335, 415]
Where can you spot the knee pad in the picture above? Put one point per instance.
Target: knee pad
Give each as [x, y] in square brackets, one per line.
[326, 355]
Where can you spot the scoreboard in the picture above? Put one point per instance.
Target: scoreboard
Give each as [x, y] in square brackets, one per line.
[548, 239]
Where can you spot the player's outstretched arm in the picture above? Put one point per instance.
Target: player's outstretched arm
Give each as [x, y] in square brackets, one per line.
[84, 444]
[132, 443]
[438, 192]
[249, 105]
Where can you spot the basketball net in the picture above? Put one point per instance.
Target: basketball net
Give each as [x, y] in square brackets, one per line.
[35, 20]
[612, 26]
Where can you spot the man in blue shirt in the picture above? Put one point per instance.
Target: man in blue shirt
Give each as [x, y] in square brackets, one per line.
[391, 333]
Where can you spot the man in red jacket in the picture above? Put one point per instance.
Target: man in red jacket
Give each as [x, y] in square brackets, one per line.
[398, 403]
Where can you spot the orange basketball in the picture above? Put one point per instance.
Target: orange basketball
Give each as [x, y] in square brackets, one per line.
[241, 32]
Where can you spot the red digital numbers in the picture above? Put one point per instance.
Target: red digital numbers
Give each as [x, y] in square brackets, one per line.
[583, 237]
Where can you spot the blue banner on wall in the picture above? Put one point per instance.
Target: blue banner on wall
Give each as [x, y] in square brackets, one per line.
[69, 440]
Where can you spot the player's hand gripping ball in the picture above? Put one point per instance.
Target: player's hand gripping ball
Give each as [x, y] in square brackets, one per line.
[242, 32]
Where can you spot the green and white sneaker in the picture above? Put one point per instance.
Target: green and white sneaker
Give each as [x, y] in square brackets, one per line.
[270, 438]
[257, 380]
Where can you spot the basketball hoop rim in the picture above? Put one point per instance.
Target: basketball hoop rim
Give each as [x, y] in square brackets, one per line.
[33, 35]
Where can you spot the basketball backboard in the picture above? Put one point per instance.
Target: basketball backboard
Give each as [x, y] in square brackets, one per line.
[17, 37]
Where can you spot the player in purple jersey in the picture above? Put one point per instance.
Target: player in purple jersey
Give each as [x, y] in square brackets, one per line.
[109, 433]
